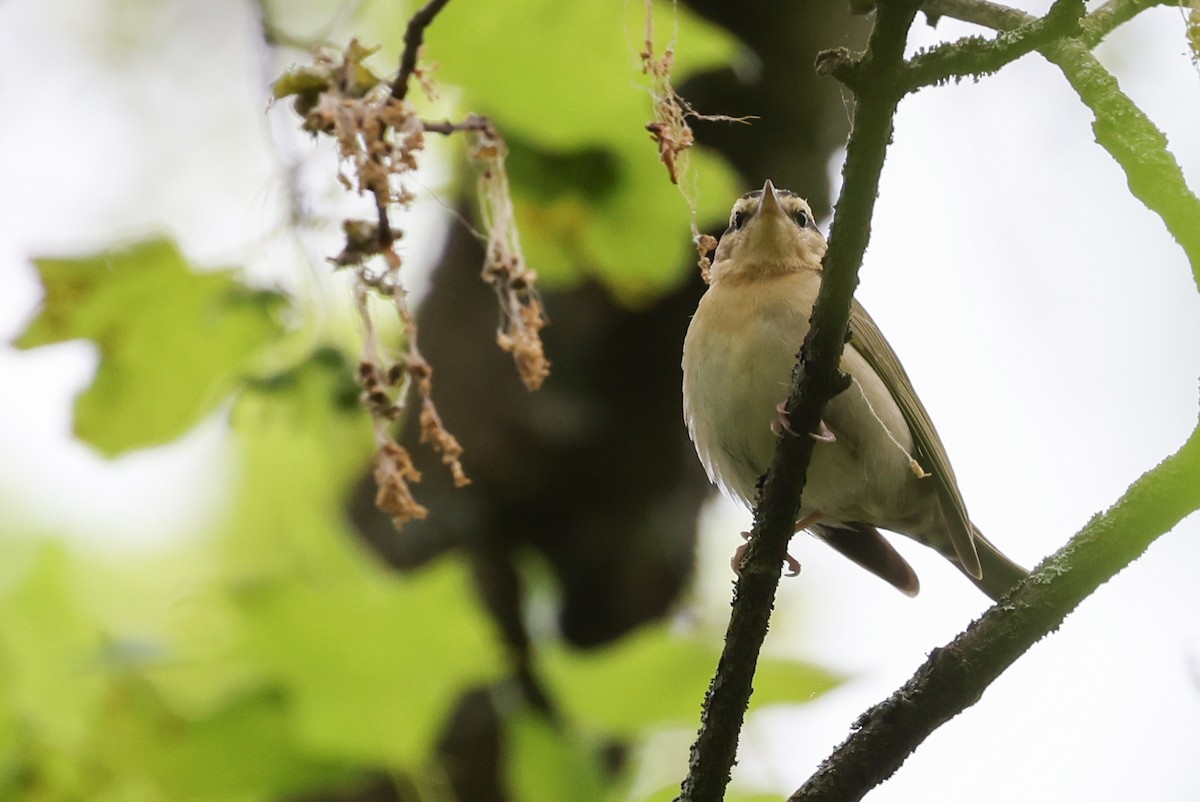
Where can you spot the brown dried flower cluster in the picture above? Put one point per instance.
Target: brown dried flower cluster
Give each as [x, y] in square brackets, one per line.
[379, 136]
[706, 245]
[521, 313]
[394, 473]
[671, 132]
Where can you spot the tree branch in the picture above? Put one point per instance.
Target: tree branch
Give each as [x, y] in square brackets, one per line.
[955, 676]
[1094, 27]
[472, 122]
[1120, 126]
[815, 380]
[414, 37]
[976, 57]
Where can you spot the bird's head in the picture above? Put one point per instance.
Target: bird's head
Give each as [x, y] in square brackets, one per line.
[771, 231]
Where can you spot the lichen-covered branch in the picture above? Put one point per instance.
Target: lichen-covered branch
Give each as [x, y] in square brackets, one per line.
[976, 57]
[956, 676]
[817, 379]
[1120, 126]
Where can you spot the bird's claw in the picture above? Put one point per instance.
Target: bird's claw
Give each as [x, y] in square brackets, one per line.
[793, 565]
[823, 434]
[780, 424]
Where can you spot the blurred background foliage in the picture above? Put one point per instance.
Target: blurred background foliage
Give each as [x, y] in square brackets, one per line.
[532, 639]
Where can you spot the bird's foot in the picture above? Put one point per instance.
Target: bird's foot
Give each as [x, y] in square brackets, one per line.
[780, 424]
[823, 434]
[736, 563]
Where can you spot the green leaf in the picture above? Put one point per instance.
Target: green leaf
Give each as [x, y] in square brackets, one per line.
[243, 751]
[304, 441]
[49, 651]
[545, 763]
[564, 85]
[653, 677]
[369, 660]
[372, 668]
[173, 342]
[564, 75]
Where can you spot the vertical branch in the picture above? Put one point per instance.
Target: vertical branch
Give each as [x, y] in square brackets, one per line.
[816, 380]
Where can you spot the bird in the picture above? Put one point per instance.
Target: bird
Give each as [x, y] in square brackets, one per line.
[877, 463]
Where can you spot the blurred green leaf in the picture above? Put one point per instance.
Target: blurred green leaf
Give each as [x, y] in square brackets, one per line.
[546, 763]
[303, 80]
[173, 342]
[50, 693]
[571, 94]
[564, 75]
[244, 751]
[370, 659]
[289, 658]
[49, 651]
[654, 677]
[372, 667]
[303, 442]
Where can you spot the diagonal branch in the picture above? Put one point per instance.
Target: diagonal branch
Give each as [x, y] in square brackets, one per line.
[975, 57]
[1120, 126]
[815, 381]
[955, 676]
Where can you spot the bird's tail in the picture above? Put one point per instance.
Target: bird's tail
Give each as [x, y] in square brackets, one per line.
[1000, 574]
[863, 544]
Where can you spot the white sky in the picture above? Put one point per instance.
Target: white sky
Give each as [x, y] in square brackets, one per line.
[1006, 245]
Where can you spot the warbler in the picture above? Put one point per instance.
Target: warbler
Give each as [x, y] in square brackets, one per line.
[878, 461]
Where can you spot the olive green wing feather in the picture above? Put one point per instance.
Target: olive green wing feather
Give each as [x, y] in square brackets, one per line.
[930, 453]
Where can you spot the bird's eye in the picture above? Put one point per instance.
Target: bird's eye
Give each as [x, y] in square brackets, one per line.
[739, 220]
[801, 218]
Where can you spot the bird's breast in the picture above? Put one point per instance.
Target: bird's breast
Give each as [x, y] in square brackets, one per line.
[738, 359]
[737, 366]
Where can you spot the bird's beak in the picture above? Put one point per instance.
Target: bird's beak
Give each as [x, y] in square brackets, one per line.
[769, 205]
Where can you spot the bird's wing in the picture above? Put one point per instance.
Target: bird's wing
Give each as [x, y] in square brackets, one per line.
[868, 341]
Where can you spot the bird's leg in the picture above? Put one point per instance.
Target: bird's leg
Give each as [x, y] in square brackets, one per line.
[781, 425]
[808, 520]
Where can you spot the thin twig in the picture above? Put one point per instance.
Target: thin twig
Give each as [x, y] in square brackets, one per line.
[473, 122]
[1120, 126]
[414, 37]
[816, 380]
[998, 17]
[976, 57]
[1115, 13]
